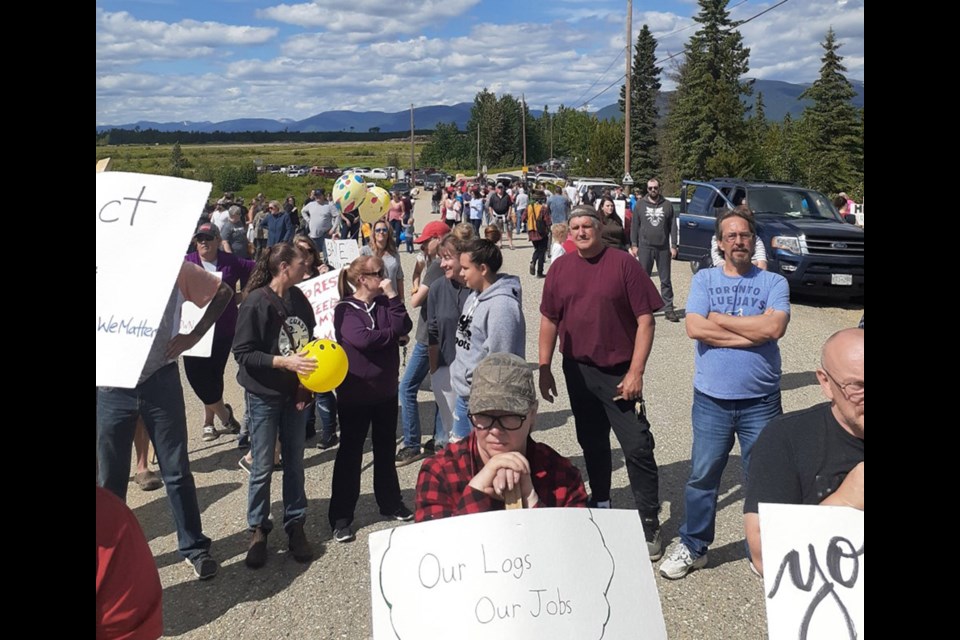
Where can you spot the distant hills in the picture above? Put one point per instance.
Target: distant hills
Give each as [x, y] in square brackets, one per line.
[779, 98]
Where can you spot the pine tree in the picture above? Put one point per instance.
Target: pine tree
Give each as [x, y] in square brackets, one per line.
[644, 89]
[176, 160]
[833, 125]
[706, 126]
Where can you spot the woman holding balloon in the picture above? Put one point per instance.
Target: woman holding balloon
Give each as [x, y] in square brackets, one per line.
[369, 321]
[274, 325]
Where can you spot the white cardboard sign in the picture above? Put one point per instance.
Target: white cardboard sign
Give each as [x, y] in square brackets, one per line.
[340, 253]
[190, 315]
[522, 574]
[144, 223]
[323, 296]
[813, 571]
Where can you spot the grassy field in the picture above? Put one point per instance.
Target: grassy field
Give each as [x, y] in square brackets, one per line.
[202, 160]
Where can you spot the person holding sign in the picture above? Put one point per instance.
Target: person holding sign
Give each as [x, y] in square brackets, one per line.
[275, 323]
[158, 398]
[369, 320]
[472, 475]
[814, 456]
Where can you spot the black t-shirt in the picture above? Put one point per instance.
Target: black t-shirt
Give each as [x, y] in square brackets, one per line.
[801, 458]
[500, 204]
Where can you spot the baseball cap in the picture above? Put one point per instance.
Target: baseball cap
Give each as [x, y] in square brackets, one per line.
[502, 382]
[318, 192]
[584, 210]
[435, 229]
[207, 229]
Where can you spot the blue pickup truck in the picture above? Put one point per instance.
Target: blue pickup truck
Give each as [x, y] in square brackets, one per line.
[806, 240]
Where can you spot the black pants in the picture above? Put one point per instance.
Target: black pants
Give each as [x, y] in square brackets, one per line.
[649, 255]
[591, 392]
[205, 375]
[539, 254]
[355, 421]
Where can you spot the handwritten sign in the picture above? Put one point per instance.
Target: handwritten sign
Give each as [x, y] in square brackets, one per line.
[144, 223]
[340, 253]
[620, 206]
[190, 315]
[323, 296]
[541, 573]
[813, 571]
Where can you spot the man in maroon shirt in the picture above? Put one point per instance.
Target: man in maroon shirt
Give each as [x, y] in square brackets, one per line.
[600, 304]
[472, 475]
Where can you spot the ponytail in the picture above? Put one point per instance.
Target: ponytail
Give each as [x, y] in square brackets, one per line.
[268, 264]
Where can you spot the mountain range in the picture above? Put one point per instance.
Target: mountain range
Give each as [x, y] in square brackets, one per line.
[779, 98]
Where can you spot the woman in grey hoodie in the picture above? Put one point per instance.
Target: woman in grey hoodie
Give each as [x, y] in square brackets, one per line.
[491, 322]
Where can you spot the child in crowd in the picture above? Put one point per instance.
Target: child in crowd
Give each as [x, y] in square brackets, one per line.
[410, 232]
[559, 232]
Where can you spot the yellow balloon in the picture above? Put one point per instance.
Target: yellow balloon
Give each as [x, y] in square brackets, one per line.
[348, 192]
[331, 368]
[375, 205]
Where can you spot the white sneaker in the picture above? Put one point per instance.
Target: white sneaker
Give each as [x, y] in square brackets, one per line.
[210, 433]
[680, 562]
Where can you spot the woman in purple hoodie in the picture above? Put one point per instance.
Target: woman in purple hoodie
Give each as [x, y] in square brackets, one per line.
[369, 321]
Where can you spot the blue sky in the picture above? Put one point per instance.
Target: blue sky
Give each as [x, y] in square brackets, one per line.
[177, 60]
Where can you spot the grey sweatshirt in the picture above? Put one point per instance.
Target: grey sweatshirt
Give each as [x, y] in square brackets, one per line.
[491, 322]
[654, 225]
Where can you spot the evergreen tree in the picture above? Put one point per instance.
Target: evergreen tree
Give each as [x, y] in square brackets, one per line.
[644, 89]
[176, 160]
[706, 126]
[833, 125]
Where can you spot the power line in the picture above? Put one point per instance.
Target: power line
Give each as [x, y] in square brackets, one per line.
[605, 71]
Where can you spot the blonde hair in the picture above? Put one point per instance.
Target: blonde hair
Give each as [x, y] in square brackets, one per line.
[350, 275]
[559, 232]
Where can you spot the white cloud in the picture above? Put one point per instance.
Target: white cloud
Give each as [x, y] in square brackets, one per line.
[365, 20]
[121, 38]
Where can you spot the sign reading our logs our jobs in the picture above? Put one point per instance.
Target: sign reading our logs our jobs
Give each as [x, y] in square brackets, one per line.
[532, 573]
[144, 224]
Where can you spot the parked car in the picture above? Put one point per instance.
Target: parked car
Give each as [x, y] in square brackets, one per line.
[807, 240]
[326, 172]
[434, 181]
[402, 186]
[374, 174]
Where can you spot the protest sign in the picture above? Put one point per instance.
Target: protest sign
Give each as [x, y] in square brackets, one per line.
[620, 206]
[532, 573]
[144, 223]
[813, 571]
[323, 296]
[340, 253]
[190, 315]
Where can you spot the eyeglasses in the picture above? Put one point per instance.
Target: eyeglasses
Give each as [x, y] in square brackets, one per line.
[506, 422]
[855, 393]
[653, 188]
[732, 237]
[375, 274]
[381, 231]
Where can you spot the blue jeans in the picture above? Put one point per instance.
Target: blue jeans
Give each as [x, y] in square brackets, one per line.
[418, 366]
[269, 416]
[715, 421]
[461, 421]
[326, 412]
[159, 400]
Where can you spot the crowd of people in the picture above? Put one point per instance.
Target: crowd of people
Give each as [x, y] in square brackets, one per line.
[471, 340]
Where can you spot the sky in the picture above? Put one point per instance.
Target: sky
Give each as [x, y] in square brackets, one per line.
[214, 60]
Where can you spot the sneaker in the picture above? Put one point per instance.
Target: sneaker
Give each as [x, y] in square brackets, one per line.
[533, 270]
[409, 455]
[332, 441]
[430, 447]
[300, 549]
[210, 433]
[257, 551]
[148, 480]
[671, 315]
[651, 532]
[680, 562]
[230, 425]
[342, 532]
[243, 442]
[204, 566]
[402, 514]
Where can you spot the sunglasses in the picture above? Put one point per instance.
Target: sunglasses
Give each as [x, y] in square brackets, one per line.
[375, 274]
[204, 238]
[381, 231]
[507, 422]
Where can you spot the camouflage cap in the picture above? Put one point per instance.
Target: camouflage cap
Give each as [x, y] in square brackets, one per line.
[502, 382]
[584, 210]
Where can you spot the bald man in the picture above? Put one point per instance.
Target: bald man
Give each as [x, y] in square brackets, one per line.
[813, 456]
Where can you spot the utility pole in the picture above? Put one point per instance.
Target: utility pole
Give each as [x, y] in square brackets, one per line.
[551, 135]
[523, 126]
[478, 146]
[413, 154]
[627, 180]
